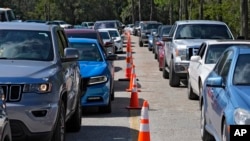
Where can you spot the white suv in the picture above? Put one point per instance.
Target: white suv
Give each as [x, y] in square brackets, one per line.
[7, 14]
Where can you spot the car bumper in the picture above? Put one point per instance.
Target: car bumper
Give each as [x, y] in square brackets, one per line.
[33, 119]
[96, 95]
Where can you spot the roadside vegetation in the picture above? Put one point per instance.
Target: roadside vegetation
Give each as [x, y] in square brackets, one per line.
[233, 12]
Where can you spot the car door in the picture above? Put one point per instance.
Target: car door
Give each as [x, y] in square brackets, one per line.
[217, 97]
[169, 44]
[69, 70]
[196, 68]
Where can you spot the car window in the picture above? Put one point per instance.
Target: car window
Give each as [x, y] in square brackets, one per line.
[26, 45]
[104, 35]
[203, 31]
[226, 67]
[88, 51]
[242, 70]
[113, 33]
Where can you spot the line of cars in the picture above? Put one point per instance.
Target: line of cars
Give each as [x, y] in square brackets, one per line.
[49, 73]
[205, 56]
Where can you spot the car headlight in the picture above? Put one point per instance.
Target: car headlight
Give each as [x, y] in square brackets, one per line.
[38, 88]
[181, 53]
[241, 116]
[97, 80]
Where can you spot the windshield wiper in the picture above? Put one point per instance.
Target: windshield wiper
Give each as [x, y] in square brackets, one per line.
[243, 84]
[4, 58]
[186, 38]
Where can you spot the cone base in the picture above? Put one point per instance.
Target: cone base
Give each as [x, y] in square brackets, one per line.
[124, 79]
[133, 108]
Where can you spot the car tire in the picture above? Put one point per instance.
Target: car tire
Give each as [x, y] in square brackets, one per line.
[225, 134]
[174, 80]
[205, 136]
[155, 56]
[106, 109]
[165, 73]
[190, 92]
[112, 93]
[74, 123]
[59, 132]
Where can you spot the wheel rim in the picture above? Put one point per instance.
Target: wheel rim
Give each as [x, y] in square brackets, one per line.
[202, 121]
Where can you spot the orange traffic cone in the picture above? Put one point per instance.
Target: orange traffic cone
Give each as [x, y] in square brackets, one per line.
[133, 81]
[144, 134]
[134, 101]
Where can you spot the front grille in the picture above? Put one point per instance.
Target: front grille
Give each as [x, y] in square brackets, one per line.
[12, 92]
[191, 52]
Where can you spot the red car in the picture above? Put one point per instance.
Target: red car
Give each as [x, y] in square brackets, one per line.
[160, 55]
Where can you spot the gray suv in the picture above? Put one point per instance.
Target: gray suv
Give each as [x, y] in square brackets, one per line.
[41, 81]
[184, 40]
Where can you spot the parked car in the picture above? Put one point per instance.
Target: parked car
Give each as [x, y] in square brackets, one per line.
[151, 39]
[5, 130]
[97, 73]
[61, 23]
[162, 31]
[7, 15]
[89, 25]
[107, 39]
[136, 28]
[40, 76]
[203, 62]
[225, 96]
[144, 31]
[109, 24]
[87, 33]
[129, 28]
[184, 40]
[118, 39]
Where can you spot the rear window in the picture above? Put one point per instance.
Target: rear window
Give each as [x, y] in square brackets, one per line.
[82, 35]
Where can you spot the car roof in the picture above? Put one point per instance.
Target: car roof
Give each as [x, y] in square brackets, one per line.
[84, 30]
[83, 40]
[26, 26]
[199, 22]
[211, 42]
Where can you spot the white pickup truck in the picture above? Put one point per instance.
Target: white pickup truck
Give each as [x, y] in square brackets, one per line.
[184, 40]
[201, 64]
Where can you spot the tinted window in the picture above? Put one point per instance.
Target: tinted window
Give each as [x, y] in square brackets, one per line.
[242, 70]
[25, 45]
[104, 35]
[203, 31]
[82, 35]
[88, 51]
[113, 33]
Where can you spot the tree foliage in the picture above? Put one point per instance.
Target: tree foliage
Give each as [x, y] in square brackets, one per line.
[127, 11]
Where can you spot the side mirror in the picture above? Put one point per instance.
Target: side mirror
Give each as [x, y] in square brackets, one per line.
[70, 54]
[195, 58]
[215, 81]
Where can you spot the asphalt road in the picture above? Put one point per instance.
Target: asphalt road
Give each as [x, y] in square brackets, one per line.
[172, 117]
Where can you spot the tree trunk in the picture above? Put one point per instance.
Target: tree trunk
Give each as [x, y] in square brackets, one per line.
[244, 18]
[151, 10]
[171, 12]
[139, 10]
[133, 11]
[186, 9]
[201, 10]
[180, 10]
[219, 16]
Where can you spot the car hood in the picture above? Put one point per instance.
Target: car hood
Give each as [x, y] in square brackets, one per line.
[240, 96]
[189, 42]
[19, 70]
[89, 69]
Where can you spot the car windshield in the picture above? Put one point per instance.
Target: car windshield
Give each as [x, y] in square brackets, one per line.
[215, 51]
[25, 45]
[104, 35]
[113, 33]
[242, 70]
[105, 25]
[165, 31]
[203, 31]
[88, 51]
[151, 26]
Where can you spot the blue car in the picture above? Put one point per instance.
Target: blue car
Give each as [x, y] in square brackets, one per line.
[97, 72]
[225, 98]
